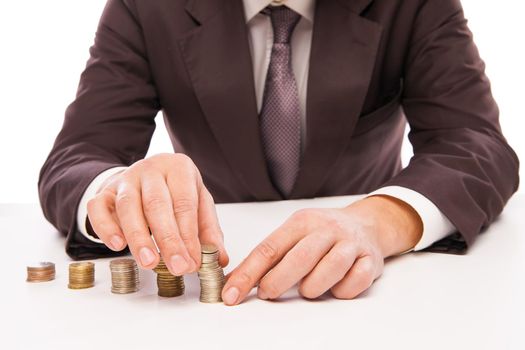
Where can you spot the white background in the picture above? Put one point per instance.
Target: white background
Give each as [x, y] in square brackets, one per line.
[44, 47]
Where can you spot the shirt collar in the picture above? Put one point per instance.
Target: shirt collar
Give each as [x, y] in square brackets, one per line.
[303, 7]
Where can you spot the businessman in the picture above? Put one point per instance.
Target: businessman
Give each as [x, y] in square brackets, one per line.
[280, 100]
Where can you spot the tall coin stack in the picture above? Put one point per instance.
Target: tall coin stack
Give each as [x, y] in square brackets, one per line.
[211, 275]
[168, 284]
[41, 272]
[124, 276]
[81, 275]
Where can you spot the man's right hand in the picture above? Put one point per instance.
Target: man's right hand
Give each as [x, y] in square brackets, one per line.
[164, 194]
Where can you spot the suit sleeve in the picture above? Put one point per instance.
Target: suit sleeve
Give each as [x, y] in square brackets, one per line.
[109, 124]
[461, 161]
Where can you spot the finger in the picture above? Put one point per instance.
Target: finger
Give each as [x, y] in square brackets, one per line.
[259, 262]
[209, 229]
[357, 280]
[296, 264]
[128, 206]
[101, 216]
[158, 209]
[182, 185]
[330, 270]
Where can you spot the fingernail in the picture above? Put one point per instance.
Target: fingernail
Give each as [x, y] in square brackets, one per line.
[116, 242]
[261, 294]
[231, 295]
[146, 256]
[179, 265]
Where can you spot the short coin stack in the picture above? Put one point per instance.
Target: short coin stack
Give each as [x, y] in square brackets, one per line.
[81, 275]
[211, 275]
[124, 276]
[168, 284]
[41, 272]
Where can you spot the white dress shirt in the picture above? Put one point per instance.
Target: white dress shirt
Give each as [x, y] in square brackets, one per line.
[260, 34]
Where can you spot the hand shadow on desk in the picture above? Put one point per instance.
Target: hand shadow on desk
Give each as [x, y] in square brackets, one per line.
[327, 296]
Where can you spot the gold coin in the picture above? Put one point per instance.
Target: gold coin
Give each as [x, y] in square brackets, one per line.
[81, 275]
[168, 285]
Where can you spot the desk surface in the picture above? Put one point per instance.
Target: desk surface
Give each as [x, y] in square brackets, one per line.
[423, 300]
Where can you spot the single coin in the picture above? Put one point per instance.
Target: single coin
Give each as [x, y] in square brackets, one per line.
[208, 249]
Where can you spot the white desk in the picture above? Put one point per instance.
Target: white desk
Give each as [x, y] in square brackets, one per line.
[423, 300]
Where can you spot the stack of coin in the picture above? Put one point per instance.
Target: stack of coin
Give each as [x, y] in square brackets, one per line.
[124, 276]
[211, 275]
[41, 272]
[168, 284]
[81, 275]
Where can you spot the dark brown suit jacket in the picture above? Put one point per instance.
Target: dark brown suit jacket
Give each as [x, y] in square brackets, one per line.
[374, 64]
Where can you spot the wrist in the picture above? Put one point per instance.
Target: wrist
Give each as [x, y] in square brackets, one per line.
[396, 226]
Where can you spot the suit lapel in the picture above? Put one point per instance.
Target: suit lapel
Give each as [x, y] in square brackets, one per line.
[344, 48]
[218, 61]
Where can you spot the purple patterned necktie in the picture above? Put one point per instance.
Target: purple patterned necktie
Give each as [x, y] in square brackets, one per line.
[280, 115]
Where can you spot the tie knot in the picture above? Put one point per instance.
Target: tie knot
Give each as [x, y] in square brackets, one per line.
[284, 21]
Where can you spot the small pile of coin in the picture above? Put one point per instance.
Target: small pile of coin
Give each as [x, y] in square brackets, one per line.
[124, 276]
[41, 272]
[211, 275]
[81, 275]
[168, 284]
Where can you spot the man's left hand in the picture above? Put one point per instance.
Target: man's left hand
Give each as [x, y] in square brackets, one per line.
[341, 250]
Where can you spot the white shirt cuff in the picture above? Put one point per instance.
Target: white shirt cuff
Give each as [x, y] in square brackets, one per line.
[435, 225]
[91, 192]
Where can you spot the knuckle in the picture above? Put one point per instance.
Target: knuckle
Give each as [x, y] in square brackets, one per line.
[218, 233]
[303, 253]
[188, 237]
[209, 232]
[154, 163]
[307, 292]
[341, 293]
[242, 278]
[207, 196]
[380, 266]
[100, 225]
[338, 257]
[134, 235]
[270, 289]
[144, 162]
[91, 204]
[362, 285]
[162, 156]
[304, 214]
[167, 241]
[183, 160]
[184, 206]
[137, 169]
[333, 224]
[267, 250]
[154, 204]
[124, 199]
[363, 271]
